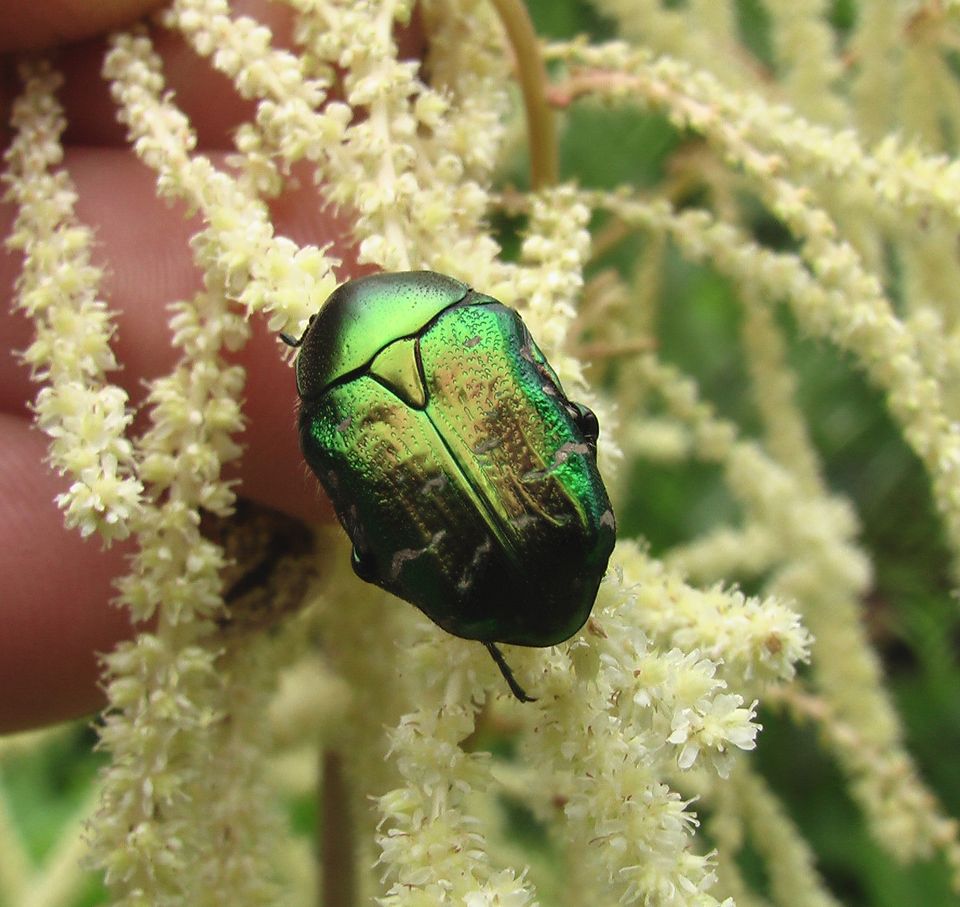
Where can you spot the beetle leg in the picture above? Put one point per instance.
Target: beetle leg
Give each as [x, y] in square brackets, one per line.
[295, 342]
[501, 663]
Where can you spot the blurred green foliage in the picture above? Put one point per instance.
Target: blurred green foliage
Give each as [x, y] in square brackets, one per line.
[47, 788]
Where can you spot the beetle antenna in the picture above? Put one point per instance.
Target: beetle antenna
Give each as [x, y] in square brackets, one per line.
[501, 663]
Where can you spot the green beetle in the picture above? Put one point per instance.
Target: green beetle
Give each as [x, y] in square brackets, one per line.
[465, 478]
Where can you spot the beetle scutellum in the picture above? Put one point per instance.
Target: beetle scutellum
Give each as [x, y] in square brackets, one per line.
[465, 478]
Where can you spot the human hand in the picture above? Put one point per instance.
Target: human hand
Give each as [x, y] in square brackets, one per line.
[56, 588]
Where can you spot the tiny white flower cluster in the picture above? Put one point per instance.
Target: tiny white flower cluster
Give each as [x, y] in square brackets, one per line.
[85, 416]
[266, 272]
[748, 638]
[432, 850]
[855, 314]
[808, 548]
[545, 288]
[601, 745]
[554, 252]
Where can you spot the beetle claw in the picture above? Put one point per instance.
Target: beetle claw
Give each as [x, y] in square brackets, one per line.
[501, 663]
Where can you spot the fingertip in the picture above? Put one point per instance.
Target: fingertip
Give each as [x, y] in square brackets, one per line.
[55, 611]
[45, 23]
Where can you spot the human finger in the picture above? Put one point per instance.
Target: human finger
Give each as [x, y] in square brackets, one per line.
[54, 612]
[44, 23]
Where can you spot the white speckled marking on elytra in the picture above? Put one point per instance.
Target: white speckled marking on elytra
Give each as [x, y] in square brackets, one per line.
[437, 483]
[404, 555]
[564, 451]
[478, 555]
[482, 447]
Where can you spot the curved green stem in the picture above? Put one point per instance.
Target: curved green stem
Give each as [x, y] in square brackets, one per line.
[541, 129]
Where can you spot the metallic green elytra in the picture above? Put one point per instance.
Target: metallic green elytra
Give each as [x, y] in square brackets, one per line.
[465, 478]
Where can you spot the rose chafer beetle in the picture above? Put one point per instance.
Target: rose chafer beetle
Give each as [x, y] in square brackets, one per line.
[465, 478]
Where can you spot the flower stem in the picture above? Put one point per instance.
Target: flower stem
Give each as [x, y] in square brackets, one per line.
[337, 852]
[544, 158]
